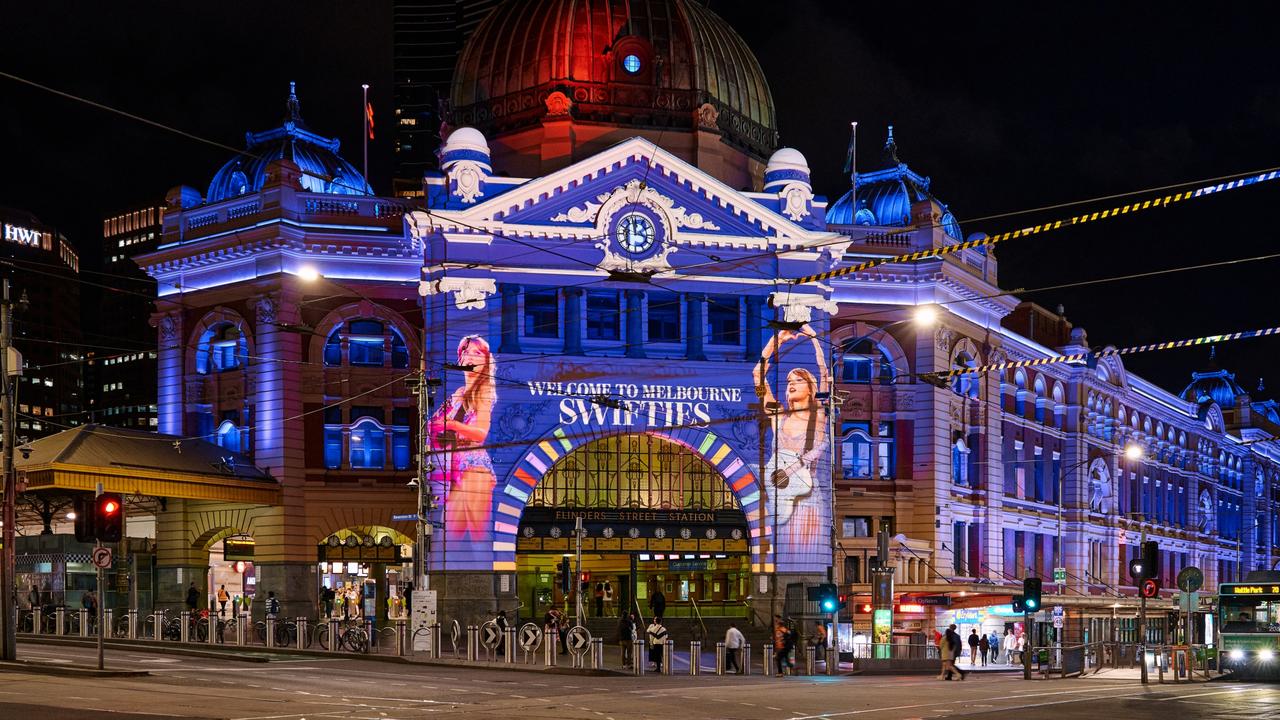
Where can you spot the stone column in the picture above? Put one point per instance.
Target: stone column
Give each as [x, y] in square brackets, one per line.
[635, 323]
[510, 340]
[695, 331]
[170, 333]
[573, 321]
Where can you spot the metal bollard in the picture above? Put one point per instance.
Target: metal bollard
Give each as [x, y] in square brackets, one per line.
[402, 633]
[810, 659]
[301, 628]
[60, 621]
[473, 643]
[832, 655]
[131, 623]
[244, 620]
[271, 632]
[695, 657]
[549, 641]
[638, 661]
[334, 645]
[372, 634]
[157, 626]
[84, 622]
[35, 620]
[509, 645]
[214, 634]
[108, 622]
[597, 653]
[746, 658]
[435, 640]
[720, 660]
[667, 646]
[768, 660]
[184, 631]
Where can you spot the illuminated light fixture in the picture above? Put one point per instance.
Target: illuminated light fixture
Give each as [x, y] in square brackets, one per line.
[1134, 452]
[911, 608]
[71, 515]
[1237, 654]
[1266, 655]
[309, 273]
[926, 315]
[631, 64]
[240, 566]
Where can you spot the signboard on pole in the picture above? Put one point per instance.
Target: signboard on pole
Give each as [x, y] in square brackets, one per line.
[1060, 576]
[424, 616]
[1059, 616]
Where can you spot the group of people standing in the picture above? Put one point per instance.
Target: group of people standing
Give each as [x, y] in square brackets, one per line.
[985, 647]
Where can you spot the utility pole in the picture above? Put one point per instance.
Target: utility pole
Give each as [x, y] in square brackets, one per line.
[578, 532]
[8, 575]
[1142, 613]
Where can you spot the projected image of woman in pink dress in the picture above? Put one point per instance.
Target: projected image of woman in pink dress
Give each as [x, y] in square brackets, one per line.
[458, 432]
[799, 444]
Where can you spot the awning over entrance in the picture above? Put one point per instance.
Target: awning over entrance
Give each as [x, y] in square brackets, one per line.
[134, 462]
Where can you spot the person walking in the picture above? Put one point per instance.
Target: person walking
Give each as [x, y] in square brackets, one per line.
[974, 642]
[608, 597]
[657, 634]
[819, 640]
[223, 597]
[626, 636]
[944, 654]
[780, 644]
[273, 604]
[658, 603]
[193, 598]
[599, 599]
[1009, 645]
[984, 648]
[733, 642]
[957, 647]
[994, 641]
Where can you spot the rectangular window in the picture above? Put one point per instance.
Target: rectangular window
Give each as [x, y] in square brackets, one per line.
[1038, 468]
[959, 542]
[1055, 477]
[885, 455]
[400, 455]
[541, 313]
[664, 317]
[856, 526]
[368, 447]
[603, 316]
[724, 320]
[366, 351]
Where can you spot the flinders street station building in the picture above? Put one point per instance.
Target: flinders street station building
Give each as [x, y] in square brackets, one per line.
[592, 315]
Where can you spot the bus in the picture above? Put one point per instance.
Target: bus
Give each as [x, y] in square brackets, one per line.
[1249, 618]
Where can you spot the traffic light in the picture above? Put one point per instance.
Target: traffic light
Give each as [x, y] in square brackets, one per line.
[1150, 588]
[1031, 593]
[566, 576]
[108, 517]
[1019, 605]
[83, 508]
[828, 598]
[1147, 563]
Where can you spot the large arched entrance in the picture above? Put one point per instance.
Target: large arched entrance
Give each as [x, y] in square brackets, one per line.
[659, 517]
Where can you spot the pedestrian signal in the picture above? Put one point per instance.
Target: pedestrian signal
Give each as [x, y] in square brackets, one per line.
[83, 508]
[1018, 605]
[108, 517]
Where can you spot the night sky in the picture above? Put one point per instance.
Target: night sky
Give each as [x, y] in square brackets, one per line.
[1006, 109]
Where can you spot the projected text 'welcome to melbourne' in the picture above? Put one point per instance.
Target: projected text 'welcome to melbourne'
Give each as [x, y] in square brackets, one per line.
[632, 404]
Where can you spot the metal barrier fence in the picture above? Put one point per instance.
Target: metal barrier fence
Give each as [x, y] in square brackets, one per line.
[1180, 662]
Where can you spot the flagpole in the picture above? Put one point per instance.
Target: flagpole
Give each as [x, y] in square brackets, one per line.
[364, 130]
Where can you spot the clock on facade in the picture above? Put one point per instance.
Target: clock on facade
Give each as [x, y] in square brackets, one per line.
[635, 233]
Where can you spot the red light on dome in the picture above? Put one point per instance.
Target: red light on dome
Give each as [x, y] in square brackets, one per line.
[110, 507]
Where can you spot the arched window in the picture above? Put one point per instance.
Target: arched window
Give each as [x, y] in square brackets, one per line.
[960, 462]
[221, 347]
[368, 444]
[865, 361]
[229, 436]
[368, 341]
[966, 384]
[855, 451]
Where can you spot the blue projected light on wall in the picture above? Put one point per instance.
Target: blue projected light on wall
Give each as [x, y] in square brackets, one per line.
[631, 64]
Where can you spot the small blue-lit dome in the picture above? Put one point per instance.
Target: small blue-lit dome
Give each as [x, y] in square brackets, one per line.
[885, 196]
[323, 169]
[1215, 385]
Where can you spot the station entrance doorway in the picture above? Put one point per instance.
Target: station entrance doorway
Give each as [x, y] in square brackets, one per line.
[659, 519]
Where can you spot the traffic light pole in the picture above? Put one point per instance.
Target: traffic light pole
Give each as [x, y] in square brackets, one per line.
[8, 515]
[102, 595]
[1142, 615]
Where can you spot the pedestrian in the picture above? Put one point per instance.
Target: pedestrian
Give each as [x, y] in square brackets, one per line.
[501, 622]
[994, 641]
[1010, 646]
[549, 625]
[733, 642]
[657, 633]
[626, 636]
[944, 654]
[599, 599]
[273, 604]
[608, 597]
[819, 640]
[326, 600]
[984, 648]
[781, 641]
[789, 649]
[952, 638]
[1022, 648]
[223, 597]
[658, 603]
[974, 642]
[193, 598]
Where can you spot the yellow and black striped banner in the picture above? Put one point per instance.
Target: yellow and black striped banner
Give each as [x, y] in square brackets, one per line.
[1133, 207]
[1091, 357]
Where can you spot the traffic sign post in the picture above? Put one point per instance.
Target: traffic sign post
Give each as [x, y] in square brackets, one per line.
[530, 639]
[1060, 576]
[579, 641]
[490, 638]
[102, 557]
